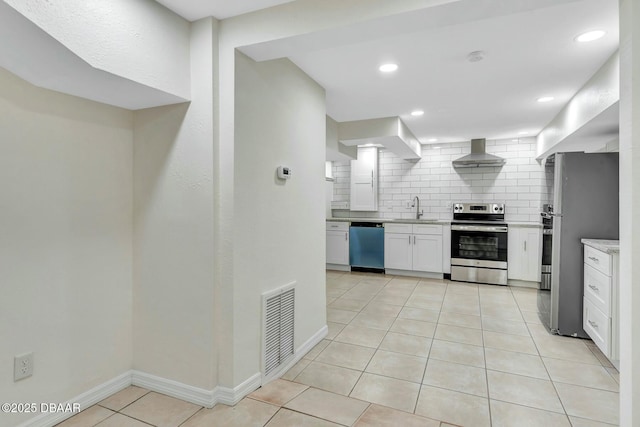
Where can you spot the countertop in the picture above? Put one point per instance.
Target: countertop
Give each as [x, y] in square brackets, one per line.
[524, 224]
[607, 246]
[397, 221]
[424, 221]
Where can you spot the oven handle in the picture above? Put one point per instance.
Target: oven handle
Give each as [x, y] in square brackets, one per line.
[490, 228]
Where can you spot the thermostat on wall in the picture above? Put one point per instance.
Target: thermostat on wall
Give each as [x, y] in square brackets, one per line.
[284, 172]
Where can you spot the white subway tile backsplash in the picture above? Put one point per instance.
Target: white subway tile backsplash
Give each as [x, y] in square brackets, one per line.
[522, 183]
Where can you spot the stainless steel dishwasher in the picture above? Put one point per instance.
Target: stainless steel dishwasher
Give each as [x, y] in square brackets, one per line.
[366, 246]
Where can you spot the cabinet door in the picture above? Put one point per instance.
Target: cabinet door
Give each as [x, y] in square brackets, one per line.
[532, 254]
[515, 249]
[524, 256]
[364, 180]
[337, 247]
[398, 251]
[427, 253]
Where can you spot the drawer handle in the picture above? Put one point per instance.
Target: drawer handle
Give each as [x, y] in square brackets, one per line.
[593, 324]
[594, 259]
[346, 236]
[595, 288]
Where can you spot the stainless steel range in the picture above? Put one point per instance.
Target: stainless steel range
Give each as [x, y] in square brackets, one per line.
[479, 243]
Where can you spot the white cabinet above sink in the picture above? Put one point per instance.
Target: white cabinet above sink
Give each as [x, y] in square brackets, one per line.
[364, 180]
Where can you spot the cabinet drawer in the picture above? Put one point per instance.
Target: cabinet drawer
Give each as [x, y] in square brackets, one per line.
[597, 259]
[398, 228]
[597, 325]
[427, 229]
[337, 226]
[597, 288]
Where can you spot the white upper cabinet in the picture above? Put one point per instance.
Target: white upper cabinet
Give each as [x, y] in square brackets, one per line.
[524, 254]
[364, 180]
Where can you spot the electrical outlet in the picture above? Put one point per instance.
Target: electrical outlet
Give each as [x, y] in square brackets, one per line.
[22, 366]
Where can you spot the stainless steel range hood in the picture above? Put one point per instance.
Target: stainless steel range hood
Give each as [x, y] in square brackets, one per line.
[478, 157]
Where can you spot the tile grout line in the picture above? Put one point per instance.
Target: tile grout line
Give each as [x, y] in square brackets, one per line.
[486, 371]
[528, 326]
[424, 372]
[550, 379]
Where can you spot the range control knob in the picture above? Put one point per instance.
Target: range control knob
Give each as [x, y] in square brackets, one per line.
[501, 208]
[495, 208]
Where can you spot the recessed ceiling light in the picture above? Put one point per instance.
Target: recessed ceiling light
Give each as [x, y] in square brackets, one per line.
[590, 36]
[388, 68]
[417, 113]
[433, 140]
[435, 147]
[546, 99]
[523, 133]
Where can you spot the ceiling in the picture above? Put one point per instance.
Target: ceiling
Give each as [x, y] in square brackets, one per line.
[529, 49]
[193, 10]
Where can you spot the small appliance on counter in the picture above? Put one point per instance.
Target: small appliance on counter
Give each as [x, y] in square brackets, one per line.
[479, 243]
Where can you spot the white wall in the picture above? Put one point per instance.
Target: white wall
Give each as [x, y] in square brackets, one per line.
[522, 183]
[288, 20]
[629, 213]
[279, 230]
[597, 95]
[139, 40]
[65, 242]
[174, 335]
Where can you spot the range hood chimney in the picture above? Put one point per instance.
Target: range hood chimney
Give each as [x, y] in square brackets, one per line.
[478, 157]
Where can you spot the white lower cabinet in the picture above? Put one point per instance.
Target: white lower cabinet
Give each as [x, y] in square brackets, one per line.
[600, 304]
[398, 251]
[524, 253]
[338, 243]
[427, 253]
[413, 247]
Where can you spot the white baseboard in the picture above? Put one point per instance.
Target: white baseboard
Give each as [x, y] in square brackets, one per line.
[299, 354]
[411, 273]
[231, 396]
[85, 400]
[308, 345]
[338, 267]
[523, 284]
[198, 396]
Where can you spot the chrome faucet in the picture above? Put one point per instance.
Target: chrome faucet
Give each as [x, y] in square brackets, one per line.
[416, 204]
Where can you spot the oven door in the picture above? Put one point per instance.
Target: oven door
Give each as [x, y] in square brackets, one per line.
[483, 246]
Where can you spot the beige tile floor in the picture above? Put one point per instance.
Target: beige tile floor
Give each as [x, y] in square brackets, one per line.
[410, 352]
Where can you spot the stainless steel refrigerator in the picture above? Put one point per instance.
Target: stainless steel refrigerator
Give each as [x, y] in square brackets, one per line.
[585, 205]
